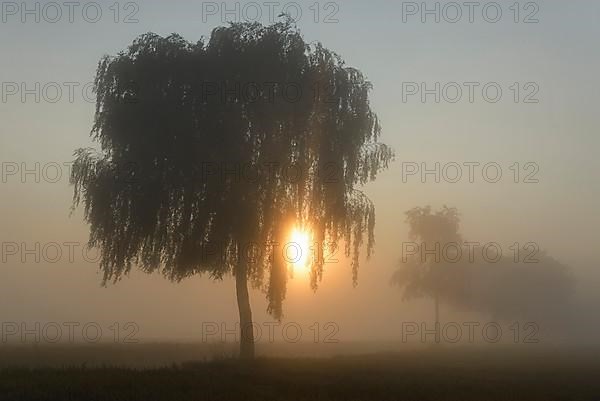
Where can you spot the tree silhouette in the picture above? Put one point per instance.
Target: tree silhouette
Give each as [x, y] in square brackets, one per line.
[428, 269]
[525, 284]
[181, 124]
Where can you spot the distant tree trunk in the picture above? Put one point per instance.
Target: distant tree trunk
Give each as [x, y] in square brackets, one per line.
[243, 300]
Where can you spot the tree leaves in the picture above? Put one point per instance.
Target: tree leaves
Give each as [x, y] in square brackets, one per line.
[178, 124]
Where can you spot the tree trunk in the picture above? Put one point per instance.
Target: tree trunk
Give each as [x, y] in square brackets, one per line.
[243, 300]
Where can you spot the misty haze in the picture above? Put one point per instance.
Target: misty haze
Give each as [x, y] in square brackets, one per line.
[299, 200]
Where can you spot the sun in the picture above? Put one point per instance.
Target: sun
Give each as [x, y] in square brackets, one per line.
[298, 250]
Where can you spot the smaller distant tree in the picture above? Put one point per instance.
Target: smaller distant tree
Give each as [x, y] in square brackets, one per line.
[428, 270]
[535, 287]
[529, 285]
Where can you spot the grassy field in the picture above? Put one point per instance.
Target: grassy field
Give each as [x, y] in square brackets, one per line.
[428, 374]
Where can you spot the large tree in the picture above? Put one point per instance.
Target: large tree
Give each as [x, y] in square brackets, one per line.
[198, 142]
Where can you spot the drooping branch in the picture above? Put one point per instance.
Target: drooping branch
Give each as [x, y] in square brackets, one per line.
[174, 119]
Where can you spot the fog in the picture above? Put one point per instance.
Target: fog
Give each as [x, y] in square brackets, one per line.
[530, 179]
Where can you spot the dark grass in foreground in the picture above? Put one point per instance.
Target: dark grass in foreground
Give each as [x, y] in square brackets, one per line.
[444, 374]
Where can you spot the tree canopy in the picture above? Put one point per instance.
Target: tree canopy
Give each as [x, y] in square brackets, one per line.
[525, 285]
[209, 152]
[423, 274]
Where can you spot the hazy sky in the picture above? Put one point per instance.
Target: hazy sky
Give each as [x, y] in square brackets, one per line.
[556, 61]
